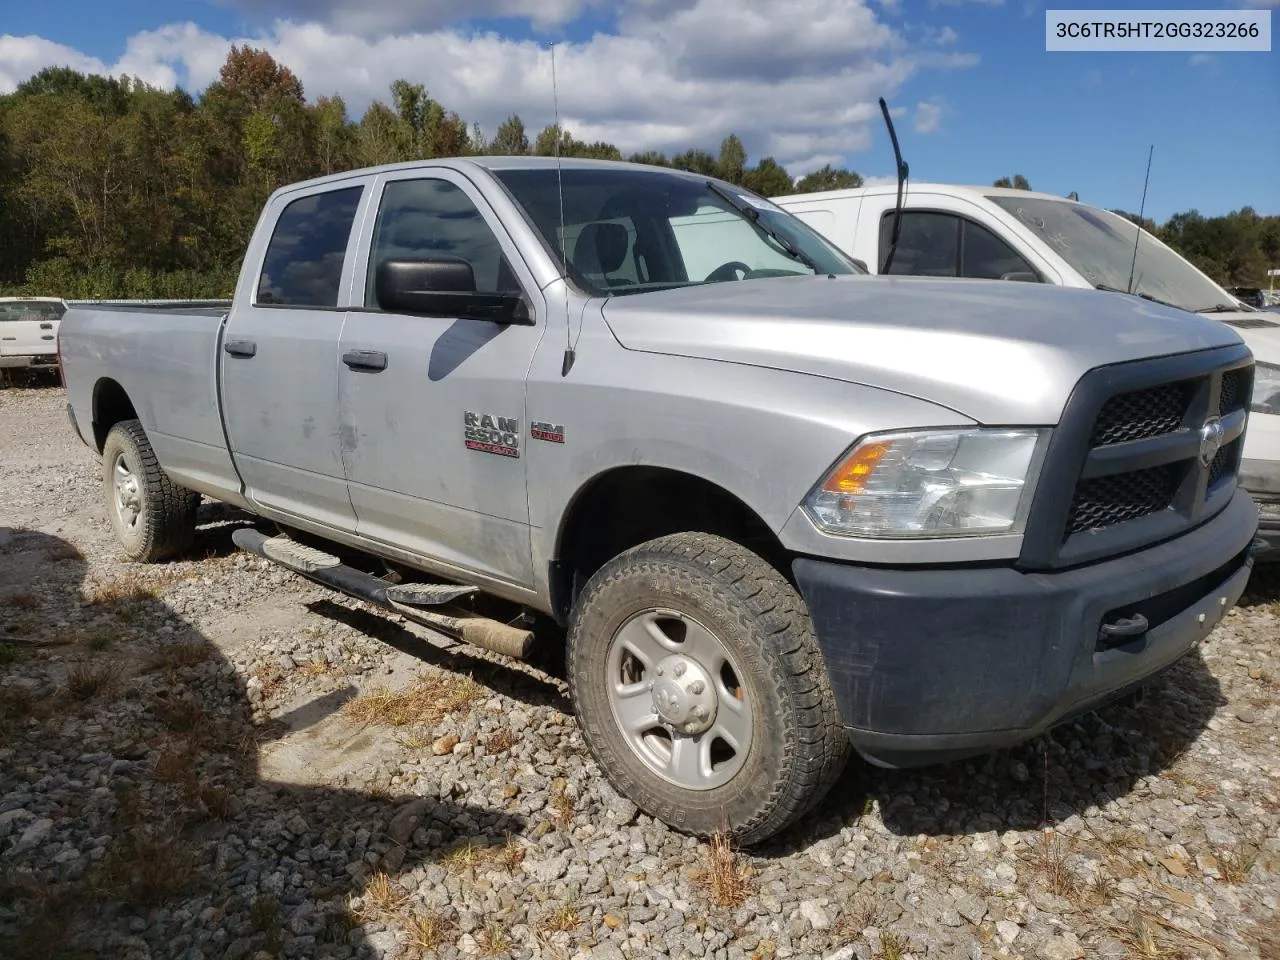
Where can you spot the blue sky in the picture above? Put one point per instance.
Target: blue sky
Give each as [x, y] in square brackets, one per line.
[976, 92]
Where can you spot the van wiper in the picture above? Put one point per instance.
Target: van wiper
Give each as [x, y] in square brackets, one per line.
[752, 216]
[1222, 308]
[1134, 293]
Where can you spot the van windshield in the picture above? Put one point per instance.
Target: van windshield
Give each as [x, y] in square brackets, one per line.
[629, 231]
[1099, 246]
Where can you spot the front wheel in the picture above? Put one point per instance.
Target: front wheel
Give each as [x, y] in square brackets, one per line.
[153, 518]
[700, 688]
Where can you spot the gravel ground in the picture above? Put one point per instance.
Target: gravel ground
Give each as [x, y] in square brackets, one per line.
[215, 759]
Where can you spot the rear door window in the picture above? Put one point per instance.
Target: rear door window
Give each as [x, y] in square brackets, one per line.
[928, 244]
[303, 264]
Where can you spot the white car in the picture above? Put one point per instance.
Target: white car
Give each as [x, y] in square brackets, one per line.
[1018, 235]
[29, 332]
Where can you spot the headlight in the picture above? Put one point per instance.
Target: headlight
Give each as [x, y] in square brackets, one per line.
[930, 483]
[1266, 388]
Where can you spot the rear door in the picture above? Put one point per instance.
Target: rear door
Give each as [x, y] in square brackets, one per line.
[279, 356]
[433, 408]
[29, 328]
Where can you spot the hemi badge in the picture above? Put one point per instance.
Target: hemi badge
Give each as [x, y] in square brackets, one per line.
[551, 432]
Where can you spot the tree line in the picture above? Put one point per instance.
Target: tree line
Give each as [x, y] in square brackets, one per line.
[112, 188]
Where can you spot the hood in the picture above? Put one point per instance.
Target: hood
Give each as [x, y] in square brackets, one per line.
[1260, 329]
[995, 351]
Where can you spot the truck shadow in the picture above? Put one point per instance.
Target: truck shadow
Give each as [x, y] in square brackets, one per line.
[1086, 763]
[134, 816]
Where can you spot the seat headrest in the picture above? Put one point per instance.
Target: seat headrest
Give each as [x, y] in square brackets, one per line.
[601, 248]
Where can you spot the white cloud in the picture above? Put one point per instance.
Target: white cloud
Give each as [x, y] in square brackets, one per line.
[1202, 59]
[675, 74]
[928, 116]
[20, 57]
[383, 16]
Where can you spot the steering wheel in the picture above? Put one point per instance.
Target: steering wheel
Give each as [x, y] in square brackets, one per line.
[728, 271]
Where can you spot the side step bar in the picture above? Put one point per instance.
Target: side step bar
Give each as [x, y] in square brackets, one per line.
[424, 603]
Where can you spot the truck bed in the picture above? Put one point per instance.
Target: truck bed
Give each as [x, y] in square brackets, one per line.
[164, 357]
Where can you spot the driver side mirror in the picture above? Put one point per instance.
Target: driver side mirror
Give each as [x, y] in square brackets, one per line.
[1020, 275]
[443, 287]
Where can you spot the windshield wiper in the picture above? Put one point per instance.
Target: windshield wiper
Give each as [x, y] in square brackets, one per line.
[1222, 308]
[752, 216]
[1134, 293]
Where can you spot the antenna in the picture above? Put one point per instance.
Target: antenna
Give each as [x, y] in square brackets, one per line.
[1141, 210]
[567, 364]
[903, 172]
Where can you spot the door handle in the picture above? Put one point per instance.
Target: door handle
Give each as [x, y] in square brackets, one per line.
[371, 360]
[240, 348]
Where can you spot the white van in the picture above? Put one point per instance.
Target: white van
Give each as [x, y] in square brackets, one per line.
[997, 233]
[29, 331]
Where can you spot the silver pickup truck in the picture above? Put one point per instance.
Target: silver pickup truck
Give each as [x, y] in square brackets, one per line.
[778, 508]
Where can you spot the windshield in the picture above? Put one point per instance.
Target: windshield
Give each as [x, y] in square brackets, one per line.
[1099, 245]
[31, 310]
[629, 231]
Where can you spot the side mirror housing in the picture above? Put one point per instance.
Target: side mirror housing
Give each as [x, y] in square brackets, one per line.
[1021, 275]
[443, 287]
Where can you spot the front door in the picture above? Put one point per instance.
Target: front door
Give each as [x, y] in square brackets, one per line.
[279, 364]
[433, 408]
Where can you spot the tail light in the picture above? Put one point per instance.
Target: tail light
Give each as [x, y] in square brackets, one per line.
[57, 349]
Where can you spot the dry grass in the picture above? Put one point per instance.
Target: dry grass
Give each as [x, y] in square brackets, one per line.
[431, 698]
[562, 919]
[175, 656]
[862, 912]
[727, 881]
[176, 764]
[102, 637]
[181, 714]
[316, 667]
[264, 912]
[146, 868]
[121, 595]
[427, 931]
[270, 679]
[382, 897]
[86, 681]
[493, 941]
[1236, 864]
[466, 856]
[508, 856]
[559, 802]
[21, 601]
[1048, 859]
[892, 946]
[500, 742]
[217, 801]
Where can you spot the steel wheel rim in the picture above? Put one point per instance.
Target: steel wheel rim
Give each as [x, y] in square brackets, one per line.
[678, 698]
[128, 494]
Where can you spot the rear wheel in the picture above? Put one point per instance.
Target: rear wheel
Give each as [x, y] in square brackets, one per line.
[153, 518]
[700, 689]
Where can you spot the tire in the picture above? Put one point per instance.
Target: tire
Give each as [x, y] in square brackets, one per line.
[153, 518]
[685, 587]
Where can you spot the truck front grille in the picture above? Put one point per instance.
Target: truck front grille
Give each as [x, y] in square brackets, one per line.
[1105, 501]
[1145, 451]
[1140, 414]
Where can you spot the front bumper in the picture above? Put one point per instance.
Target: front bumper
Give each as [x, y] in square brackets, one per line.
[39, 360]
[935, 665]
